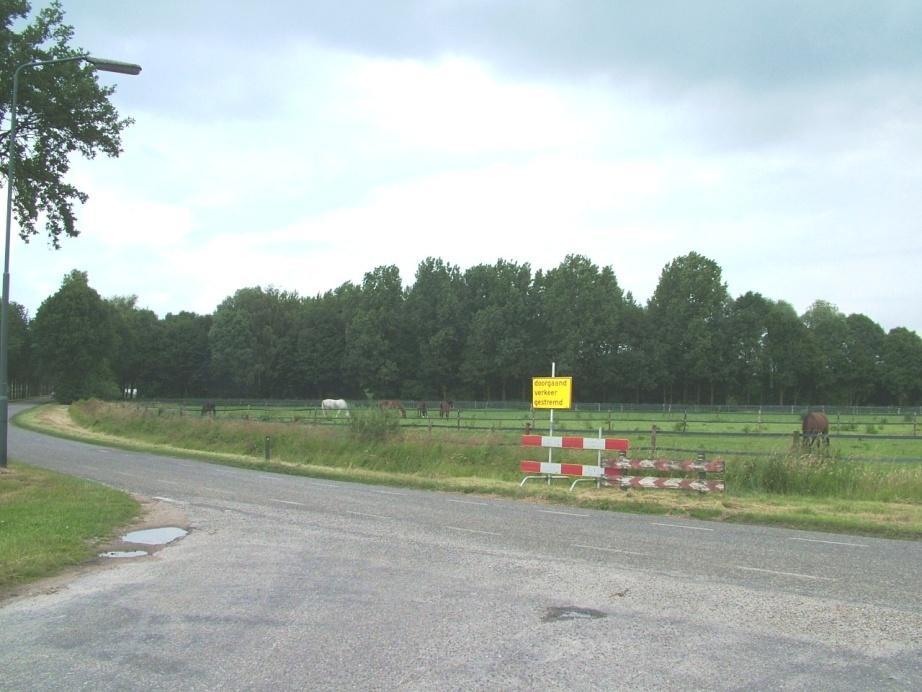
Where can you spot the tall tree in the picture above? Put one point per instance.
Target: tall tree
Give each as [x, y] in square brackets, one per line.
[62, 111]
[254, 342]
[375, 336]
[788, 352]
[436, 328]
[321, 343]
[686, 313]
[864, 351]
[137, 343]
[183, 359]
[75, 340]
[497, 350]
[828, 331]
[580, 307]
[19, 347]
[902, 366]
[746, 334]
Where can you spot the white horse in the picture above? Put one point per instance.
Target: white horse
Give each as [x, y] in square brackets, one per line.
[338, 405]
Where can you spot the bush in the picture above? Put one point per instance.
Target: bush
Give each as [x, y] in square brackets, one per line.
[374, 424]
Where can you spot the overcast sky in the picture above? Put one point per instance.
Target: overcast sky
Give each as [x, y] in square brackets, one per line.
[300, 143]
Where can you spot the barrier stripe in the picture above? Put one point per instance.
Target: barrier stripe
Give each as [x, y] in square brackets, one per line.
[612, 476]
[669, 483]
[552, 469]
[599, 443]
[715, 466]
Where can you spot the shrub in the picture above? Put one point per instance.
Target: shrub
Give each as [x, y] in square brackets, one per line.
[374, 424]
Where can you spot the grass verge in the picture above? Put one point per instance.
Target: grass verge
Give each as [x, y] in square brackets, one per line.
[49, 521]
[868, 501]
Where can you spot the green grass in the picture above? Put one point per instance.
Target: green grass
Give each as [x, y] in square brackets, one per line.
[854, 436]
[49, 521]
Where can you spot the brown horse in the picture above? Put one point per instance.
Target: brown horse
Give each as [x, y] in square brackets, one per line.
[422, 411]
[445, 408]
[209, 408]
[815, 425]
[392, 404]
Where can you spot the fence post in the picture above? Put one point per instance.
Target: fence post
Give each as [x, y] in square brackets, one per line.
[459, 419]
[796, 439]
[653, 440]
[609, 419]
[268, 448]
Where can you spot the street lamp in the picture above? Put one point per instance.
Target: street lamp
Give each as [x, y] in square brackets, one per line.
[99, 64]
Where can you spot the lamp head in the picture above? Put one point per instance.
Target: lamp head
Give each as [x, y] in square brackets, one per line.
[113, 65]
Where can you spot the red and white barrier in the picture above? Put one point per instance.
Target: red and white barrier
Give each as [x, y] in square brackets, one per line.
[611, 473]
[715, 466]
[596, 443]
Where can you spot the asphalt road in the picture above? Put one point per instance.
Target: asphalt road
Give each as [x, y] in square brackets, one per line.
[293, 583]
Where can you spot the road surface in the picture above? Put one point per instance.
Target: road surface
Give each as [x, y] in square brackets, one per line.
[287, 582]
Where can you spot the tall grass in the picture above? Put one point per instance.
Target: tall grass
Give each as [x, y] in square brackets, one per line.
[372, 440]
[375, 441]
[826, 475]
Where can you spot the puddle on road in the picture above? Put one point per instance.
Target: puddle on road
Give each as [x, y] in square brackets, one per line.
[160, 536]
[571, 613]
[124, 553]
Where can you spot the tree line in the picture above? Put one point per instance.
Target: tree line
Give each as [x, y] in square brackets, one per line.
[481, 333]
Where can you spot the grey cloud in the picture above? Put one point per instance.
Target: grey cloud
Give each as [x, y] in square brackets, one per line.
[748, 43]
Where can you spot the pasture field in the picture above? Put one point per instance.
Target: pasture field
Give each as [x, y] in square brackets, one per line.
[861, 436]
[825, 491]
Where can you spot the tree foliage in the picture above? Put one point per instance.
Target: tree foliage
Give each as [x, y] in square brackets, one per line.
[62, 111]
[75, 341]
[481, 333]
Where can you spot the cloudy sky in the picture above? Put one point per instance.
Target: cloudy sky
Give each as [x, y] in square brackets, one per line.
[300, 143]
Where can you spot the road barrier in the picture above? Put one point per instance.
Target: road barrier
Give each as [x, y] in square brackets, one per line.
[582, 472]
[614, 469]
[610, 472]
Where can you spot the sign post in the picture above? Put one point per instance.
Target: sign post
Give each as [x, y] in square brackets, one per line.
[550, 393]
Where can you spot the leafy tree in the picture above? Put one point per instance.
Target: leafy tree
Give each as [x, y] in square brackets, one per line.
[137, 343]
[19, 358]
[579, 306]
[75, 340]
[746, 334]
[829, 340]
[321, 343]
[436, 325]
[253, 342]
[374, 336]
[788, 352]
[686, 314]
[62, 111]
[902, 366]
[864, 347]
[627, 369]
[183, 361]
[497, 346]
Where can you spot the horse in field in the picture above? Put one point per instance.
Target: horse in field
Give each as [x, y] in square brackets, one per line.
[815, 426]
[208, 408]
[392, 404]
[445, 408]
[422, 411]
[338, 405]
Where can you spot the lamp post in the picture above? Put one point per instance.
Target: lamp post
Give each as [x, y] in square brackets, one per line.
[99, 64]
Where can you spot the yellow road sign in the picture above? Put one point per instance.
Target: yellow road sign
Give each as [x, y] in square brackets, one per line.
[552, 392]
